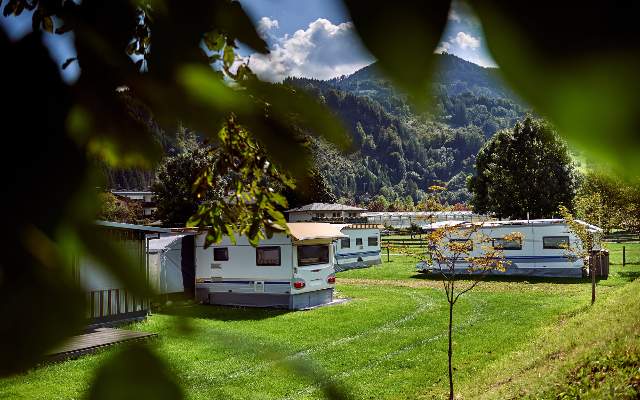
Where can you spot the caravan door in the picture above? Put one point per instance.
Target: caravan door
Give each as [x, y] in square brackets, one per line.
[313, 267]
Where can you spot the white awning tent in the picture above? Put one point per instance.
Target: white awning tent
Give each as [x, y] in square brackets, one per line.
[163, 243]
[314, 231]
[165, 264]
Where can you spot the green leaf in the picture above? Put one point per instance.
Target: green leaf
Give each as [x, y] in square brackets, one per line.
[231, 18]
[19, 8]
[9, 8]
[131, 48]
[214, 41]
[587, 84]
[135, 372]
[47, 23]
[402, 35]
[37, 291]
[204, 86]
[228, 56]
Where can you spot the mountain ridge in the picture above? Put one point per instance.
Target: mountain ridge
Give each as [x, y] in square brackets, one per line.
[400, 151]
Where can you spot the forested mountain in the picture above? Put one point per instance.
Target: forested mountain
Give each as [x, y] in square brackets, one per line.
[400, 152]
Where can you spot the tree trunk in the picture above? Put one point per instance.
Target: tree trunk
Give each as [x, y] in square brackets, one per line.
[450, 353]
[593, 279]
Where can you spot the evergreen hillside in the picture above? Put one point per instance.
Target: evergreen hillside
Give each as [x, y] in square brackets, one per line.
[399, 152]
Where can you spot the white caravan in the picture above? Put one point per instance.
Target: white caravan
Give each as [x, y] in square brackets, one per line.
[293, 271]
[541, 252]
[361, 247]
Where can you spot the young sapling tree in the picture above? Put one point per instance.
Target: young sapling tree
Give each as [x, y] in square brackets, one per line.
[461, 248]
[589, 240]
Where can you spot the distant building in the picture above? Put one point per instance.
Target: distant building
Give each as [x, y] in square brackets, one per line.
[404, 219]
[325, 212]
[145, 198]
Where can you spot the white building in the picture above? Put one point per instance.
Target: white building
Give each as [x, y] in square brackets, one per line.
[361, 247]
[542, 250]
[324, 211]
[293, 271]
[145, 198]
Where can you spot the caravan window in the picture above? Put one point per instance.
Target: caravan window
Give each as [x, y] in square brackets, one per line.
[220, 254]
[372, 241]
[358, 241]
[268, 256]
[345, 243]
[312, 255]
[504, 244]
[555, 242]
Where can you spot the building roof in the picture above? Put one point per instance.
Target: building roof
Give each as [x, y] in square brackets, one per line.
[326, 207]
[132, 227]
[164, 242]
[315, 230]
[418, 213]
[123, 192]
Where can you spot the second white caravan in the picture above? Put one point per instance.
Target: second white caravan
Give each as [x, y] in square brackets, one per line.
[542, 251]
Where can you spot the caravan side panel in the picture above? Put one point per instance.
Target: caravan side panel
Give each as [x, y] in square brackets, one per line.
[227, 273]
[360, 251]
[533, 259]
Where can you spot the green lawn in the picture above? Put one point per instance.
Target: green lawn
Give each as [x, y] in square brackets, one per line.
[632, 253]
[387, 341]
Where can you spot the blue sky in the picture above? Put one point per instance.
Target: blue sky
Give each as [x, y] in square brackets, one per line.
[310, 38]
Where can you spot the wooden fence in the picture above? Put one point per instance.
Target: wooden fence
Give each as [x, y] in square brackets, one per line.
[111, 304]
[389, 242]
[622, 237]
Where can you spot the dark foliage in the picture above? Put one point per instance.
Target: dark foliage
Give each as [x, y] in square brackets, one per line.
[524, 171]
[400, 151]
[314, 188]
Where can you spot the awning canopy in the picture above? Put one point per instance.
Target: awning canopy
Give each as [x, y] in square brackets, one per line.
[163, 243]
[315, 230]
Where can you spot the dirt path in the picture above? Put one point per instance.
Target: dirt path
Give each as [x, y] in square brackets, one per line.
[486, 286]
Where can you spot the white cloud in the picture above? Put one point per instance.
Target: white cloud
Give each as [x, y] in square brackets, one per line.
[265, 27]
[465, 40]
[453, 15]
[443, 47]
[321, 51]
[266, 24]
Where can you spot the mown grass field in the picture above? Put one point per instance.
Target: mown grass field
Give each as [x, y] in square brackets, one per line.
[513, 339]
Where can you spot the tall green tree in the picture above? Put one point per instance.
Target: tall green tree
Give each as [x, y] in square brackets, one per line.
[378, 203]
[117, 209]
[525, 171]
[314, 188]
[608, 201]
[176, 201]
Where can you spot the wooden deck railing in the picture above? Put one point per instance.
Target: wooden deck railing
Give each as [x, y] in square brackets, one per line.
[114, 302]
